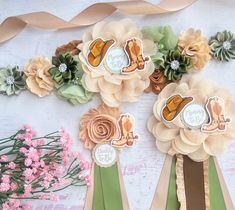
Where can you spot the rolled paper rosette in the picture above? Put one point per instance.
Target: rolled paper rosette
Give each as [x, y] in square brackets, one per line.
[193, 122]
[102, 129]
[116, 61]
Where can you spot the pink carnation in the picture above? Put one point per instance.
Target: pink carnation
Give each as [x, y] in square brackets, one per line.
[28, 162]
[11, 165]
[14, 186]
[4, 187]
[28, 173]
[23, 150]
[5, 178]
[3, 158]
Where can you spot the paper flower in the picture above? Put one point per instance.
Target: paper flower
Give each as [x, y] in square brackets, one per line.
[12, 81]
[164, 38]
[99, 125]
[74, 93]
[176, 65]
[223, 46]
[115, 88]
[71, 47]
[175, 138]
[157, 82]
[38, 79]
[65, 69]
[192, 44]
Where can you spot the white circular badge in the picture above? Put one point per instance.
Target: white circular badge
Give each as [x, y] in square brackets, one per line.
[116, 59]
[194, 115]
[104, 155]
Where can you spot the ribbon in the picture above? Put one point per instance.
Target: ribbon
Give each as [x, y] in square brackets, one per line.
[11, 26]
[203, 186]
[107, 190]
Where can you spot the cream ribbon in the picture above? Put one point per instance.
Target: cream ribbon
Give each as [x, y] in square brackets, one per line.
[11, 26]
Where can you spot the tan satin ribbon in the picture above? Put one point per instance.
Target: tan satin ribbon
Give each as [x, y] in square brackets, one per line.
[227, 198]
[11, 26]
[160, 196]
[90, 190]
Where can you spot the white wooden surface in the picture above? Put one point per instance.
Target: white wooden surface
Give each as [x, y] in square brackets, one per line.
[141, 165]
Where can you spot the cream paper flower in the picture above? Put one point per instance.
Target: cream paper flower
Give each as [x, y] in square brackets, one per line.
[115, 88]
[39, 80]
[175, 138]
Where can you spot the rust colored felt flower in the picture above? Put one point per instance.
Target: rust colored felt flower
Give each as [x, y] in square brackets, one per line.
[99, 125]
[71, 47]
[157, 82]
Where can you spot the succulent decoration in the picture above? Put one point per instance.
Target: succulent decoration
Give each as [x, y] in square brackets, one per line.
[65, 70]
[12, 81]
[176, 65]
[223, 46]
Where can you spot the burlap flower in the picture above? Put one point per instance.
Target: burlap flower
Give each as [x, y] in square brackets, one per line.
[39, 80]
[174, 137]
[192, 44]
[115, 88]
[99, 125]
[157, 82]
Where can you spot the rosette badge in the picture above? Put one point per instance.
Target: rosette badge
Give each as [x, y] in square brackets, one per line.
[116, 61]
[103, 130]
[193, 122]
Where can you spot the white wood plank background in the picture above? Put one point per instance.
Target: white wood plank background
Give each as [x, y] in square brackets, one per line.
[141, 165]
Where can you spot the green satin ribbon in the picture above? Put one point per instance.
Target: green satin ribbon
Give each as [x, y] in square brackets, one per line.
[107, 191]
[172, 200]
[216, 195]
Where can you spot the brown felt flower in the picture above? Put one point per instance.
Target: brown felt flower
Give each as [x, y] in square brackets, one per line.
[39, 80]
[157, 82]
[70, 47]
[194, 45]
[99, 125]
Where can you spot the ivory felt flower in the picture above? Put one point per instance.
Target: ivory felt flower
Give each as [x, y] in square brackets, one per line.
[223, 46]
[115, 88]
[12, 81]
[38, 79]
[173, 137]
[192, 44]
[99, 125]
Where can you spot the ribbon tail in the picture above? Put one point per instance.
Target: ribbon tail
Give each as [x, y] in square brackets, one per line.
[160, 197]
[108, 191]
[219, 196]
[90, 190]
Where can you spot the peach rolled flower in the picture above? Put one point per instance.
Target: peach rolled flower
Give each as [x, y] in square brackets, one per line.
[99, 125]
[39, 80]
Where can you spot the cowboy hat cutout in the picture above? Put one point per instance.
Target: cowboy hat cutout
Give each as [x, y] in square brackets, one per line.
[98, 49]
[174, 105]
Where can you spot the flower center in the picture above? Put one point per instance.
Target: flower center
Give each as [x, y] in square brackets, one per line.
[10, 80]
[175, 64]
[227, 45]
[62, 67]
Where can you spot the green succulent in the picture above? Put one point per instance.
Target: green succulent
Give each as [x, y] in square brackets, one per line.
[165, 40]
[223, 46]
[12, 81]
[66, 69]
[176, 65]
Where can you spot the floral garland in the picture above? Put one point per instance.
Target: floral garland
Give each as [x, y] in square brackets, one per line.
[74, 79]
